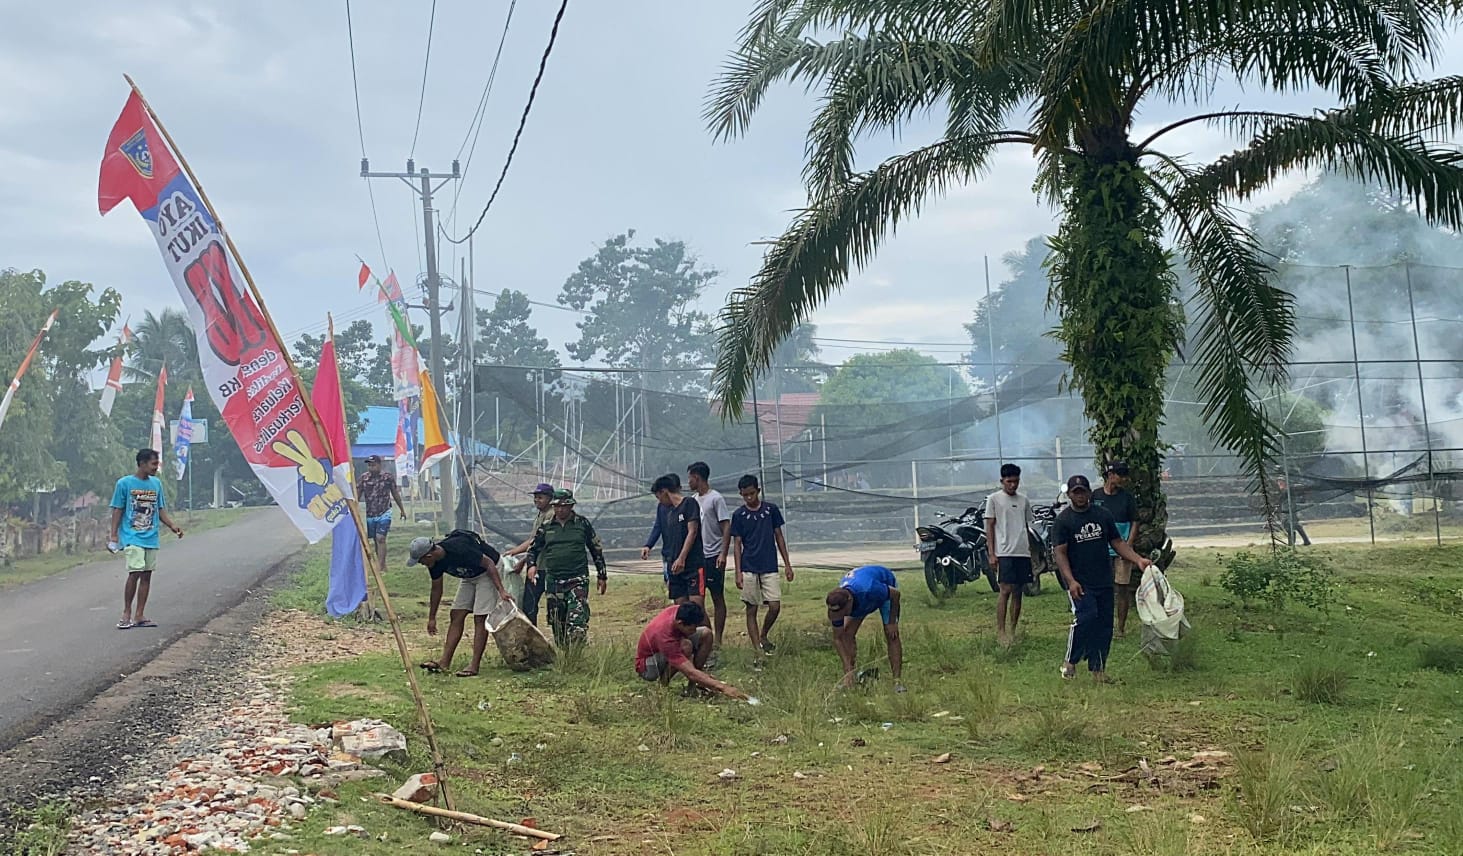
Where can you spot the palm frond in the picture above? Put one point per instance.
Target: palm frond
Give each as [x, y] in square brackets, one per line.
[839, 232]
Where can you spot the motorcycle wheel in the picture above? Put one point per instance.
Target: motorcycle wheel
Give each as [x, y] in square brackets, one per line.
[937, 578]
[1033, 588]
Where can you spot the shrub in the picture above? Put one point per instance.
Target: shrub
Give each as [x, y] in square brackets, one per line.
[1284, 575]
[1444, 655]
[1321, 682]
[1267, 784]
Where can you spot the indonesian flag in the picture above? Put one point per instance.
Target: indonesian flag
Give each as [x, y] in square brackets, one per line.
[114, 374]
[434, 440]
[347, 586]
[245, 366]
[35, 346]
[158, 422]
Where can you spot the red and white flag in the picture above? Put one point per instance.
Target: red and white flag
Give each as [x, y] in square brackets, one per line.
[35, 346]
[114, 374]
[159, 422]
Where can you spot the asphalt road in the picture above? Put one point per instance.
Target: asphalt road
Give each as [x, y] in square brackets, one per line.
[59, 645]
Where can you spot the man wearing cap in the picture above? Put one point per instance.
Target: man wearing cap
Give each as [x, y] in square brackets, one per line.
[533, 586]
[1118, 502]
[1081, 536]
[376, 490]
[558, 554]
[862, 592]
[475, 564]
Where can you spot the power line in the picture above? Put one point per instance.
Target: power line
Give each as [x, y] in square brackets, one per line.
[426, 63]
[522, 121]
[475, 127]
[361, 129]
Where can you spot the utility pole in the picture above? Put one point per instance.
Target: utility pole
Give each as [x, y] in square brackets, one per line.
[434, 302]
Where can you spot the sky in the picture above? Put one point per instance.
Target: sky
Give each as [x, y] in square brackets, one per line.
[258, 97]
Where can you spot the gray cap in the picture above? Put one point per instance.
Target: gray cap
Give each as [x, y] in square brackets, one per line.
[419, 548]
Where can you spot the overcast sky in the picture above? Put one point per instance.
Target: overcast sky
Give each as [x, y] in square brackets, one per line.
[258, 97]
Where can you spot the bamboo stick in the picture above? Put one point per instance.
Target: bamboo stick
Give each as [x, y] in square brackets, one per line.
[515, 828]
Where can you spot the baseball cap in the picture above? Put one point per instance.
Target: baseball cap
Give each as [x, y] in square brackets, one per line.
[544, 488]
[563, 497]
[1117, 468]
[419, 548]
[1076, 482]
[373, 459]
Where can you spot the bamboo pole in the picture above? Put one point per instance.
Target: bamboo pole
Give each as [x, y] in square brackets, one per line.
[438, 763]
[351, 502]
[515, 828]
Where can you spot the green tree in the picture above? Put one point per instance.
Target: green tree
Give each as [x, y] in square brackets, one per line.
[1016, 316]
[1067, 81]
[507, 347]
[357, 355]
[795, 366]
[54, 436]
[641, 310]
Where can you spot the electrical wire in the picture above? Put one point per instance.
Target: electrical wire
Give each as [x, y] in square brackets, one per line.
[426, 64]
[522, 122]
[361, 131]
[475, 127]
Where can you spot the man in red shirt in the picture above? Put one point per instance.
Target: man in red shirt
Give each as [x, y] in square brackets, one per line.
[674, 641]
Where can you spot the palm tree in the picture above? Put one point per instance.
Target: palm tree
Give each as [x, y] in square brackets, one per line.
[165, 337]
[1066, 81]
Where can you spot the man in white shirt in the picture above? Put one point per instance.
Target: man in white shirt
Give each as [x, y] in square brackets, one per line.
[1007, 514]
[715, 540]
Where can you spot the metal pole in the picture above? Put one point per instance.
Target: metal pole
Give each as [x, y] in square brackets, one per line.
[1292, 525]
[1360, 407]
[757, 427]
[990, 328]
[823, 433]
[1060, 479]
[465, 445]
[777, 417]
[914, 489]
[434, 302]
[1427, 432]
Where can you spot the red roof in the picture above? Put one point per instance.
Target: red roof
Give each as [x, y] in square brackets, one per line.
[791, 412]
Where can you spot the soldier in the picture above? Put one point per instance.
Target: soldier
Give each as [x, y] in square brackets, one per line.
[558, 553]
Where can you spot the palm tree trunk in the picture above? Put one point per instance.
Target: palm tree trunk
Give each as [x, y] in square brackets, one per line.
[1116, 293]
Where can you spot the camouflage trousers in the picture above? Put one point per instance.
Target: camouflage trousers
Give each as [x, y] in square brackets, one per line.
[568, 610]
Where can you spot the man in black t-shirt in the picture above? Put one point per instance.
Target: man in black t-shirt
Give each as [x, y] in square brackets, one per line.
[682, 533]
[1113, 496]
[1081, 537]
[479, 588]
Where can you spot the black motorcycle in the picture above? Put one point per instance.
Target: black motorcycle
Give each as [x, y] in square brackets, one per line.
[1039, 537]
[954, 552]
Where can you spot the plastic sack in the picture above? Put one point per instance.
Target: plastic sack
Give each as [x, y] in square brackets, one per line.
[1161, 609]
[520, 644]
[512, 569]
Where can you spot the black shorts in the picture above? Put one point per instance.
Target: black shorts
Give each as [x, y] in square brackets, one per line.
[713, 578]
[1014, 570]
[689, 583]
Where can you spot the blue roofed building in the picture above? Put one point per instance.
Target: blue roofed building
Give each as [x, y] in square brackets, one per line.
[378, 437]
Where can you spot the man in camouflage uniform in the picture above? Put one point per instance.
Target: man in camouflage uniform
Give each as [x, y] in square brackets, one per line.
[558, 553]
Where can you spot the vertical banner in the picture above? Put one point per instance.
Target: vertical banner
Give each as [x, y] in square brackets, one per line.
[434, 438]
[244, 364]
[185, 434]
[406, 432]
[114, 374]
[158, 421]
[405, 362]
[347, 561]
[25, 364]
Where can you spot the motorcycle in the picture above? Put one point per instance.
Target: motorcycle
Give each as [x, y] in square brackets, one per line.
[1039, 538]
[954, 552]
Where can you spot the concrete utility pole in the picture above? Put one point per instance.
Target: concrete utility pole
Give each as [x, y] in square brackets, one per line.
[434, 303]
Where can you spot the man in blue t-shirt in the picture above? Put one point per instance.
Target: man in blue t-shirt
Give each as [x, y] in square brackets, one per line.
[756, 533]
[863, 592]
[137, 507]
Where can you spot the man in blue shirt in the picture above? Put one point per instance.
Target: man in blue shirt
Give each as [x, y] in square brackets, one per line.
[137, 507]
[658, 531]
[756, 532]
[863, 592]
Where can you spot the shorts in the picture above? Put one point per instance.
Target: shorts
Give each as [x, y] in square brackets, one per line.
[476, 594]
[713, 579]
[1014, 570]
[758, 589]
[1124, 572]
[657, 664]
[688, 583]
[378, 526]
[143, 559]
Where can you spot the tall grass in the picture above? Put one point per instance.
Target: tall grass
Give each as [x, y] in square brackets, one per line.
[1320, 682]
[1382, 781]
[1267, 783]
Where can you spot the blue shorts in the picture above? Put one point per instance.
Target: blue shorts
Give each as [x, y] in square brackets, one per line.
[378, 526]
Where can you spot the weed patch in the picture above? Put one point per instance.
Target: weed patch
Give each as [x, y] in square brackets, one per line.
[1320, 682]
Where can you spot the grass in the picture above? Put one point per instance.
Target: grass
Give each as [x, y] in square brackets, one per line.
[44, 565]
[40, 831]
[1342, 727]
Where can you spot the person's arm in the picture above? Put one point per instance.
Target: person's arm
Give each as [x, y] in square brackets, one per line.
[782, 548]
[737, 554]
[1124, 549]
[655, 534]
[1133, 516]
[116, 523]
[893, 605]
[701, 679]
[990, 540]
[434, 601]
[846, 644]
[167, 520]
[491, 567]
[596, 553]
[521, 548]
[534, 550]
[1064, 568]
[396, 495]
[693, 528]
[725, 544]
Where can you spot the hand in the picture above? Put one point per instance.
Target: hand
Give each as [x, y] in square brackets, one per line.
[602, 583]
[721, 563]
[732, 692]
[678, 565]
[1144, 564]
[1075, 590]
[995, 561]
[739, 579]
[789, 573]
[505, 596]
[431, 627]
[644, 553]
[178, 530]
[532, 574]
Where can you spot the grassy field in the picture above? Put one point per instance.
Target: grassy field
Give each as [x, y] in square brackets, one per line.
[1342, 728]
[46, 564]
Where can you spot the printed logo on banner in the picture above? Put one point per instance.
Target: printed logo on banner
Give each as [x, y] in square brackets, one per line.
[135, 148]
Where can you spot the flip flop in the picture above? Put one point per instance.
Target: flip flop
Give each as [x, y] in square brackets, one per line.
[125, 625]
[144, 623]
[465, 673]
[431, 667]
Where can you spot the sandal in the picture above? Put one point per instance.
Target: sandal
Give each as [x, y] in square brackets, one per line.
[124, 625]
[465, 673]
[430, 667]
[144, 623]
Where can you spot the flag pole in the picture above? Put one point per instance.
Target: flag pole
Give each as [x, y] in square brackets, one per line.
[438, 762]
[352, 502]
